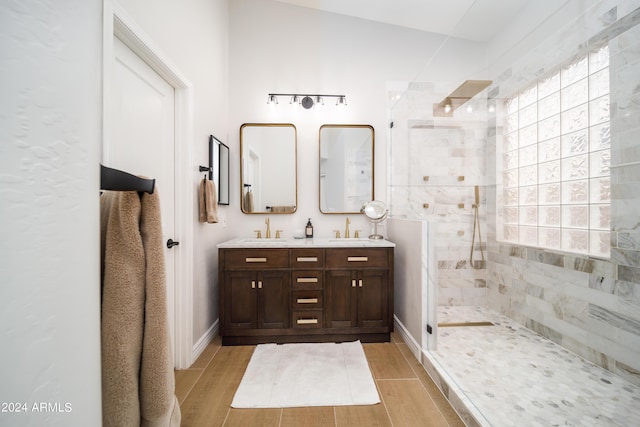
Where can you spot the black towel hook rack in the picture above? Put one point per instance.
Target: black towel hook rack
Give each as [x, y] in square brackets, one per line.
[117, 180]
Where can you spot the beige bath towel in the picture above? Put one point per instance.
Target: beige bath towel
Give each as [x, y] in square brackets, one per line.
[138, 386]
[283, 209]
[208, 201]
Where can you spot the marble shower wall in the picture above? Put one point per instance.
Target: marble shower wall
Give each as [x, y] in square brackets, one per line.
[435, 164]
[588, 305]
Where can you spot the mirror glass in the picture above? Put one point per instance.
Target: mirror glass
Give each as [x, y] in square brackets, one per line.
[219, 168]
[346, 167]
[376, 212]
[268, 168]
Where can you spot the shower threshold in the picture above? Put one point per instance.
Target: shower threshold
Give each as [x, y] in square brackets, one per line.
[461, 324]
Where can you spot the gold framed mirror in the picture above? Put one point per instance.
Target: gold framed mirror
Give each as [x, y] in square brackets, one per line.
[268, 168]
[346, 154]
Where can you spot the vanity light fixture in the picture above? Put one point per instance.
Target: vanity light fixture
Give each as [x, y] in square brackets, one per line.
[306, 101]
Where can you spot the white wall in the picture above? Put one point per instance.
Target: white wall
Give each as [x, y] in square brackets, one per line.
[279, 48]
[50, 134]
[194, 37]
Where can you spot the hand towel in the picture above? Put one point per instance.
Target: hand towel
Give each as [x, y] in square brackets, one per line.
[208, 202]
[248, 202]
[283, 209]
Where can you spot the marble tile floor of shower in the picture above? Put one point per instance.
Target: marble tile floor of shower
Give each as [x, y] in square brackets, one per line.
[515, 377]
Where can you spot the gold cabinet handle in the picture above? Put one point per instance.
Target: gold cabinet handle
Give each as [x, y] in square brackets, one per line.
[307, 259]
[357, 259]
[353, 283]
[307, 300]
[307, 280]
[359, 282]
[307, 321]
[253, 284]
[255, 259]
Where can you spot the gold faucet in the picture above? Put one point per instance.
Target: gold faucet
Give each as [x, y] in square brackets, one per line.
[346, 231]
[266, 221]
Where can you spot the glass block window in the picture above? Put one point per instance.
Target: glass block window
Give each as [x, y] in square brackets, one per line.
[555, 160]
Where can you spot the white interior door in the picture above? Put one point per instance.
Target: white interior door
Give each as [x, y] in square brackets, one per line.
[142, 141]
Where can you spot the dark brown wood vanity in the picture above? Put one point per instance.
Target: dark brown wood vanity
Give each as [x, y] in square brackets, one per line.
[305, 293]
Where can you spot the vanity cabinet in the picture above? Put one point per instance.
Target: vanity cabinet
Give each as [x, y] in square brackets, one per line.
[305, 294]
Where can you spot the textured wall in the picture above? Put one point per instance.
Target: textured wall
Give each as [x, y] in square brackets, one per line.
[50, 136]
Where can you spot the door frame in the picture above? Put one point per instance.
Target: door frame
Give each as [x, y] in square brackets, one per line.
[117, 22]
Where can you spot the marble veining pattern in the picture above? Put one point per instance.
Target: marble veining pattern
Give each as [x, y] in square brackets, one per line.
[516, 377]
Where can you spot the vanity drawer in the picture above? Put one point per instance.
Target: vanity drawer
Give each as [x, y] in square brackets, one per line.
[256, 258]
[307, 258]
[306, 319]
[307, 299]
[357, 257]
[306, 279]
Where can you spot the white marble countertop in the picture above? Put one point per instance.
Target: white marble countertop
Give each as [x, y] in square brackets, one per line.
[318, 242]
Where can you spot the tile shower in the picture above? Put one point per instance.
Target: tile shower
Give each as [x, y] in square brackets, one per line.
[583, 311]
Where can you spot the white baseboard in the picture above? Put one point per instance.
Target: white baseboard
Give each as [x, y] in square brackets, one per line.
[413, 345]
[205, 339]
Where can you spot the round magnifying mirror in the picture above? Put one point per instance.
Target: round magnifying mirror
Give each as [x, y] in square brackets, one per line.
[376, 212]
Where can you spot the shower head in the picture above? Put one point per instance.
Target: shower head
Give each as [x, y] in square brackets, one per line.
[467, 90]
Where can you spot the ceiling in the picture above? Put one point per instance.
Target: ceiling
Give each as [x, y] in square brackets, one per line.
[477, 20]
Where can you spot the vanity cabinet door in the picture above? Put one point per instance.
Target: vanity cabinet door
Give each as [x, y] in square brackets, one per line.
[273, 299]
[340, 299]
[241, 300]
[373, 300]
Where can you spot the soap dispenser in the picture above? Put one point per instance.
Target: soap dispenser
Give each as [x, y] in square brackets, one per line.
[308, 231]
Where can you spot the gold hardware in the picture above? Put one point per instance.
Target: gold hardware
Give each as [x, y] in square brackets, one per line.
[359, 282]
[460, 233]
[307, 300]
[268, 222]
[307, 259]
[259, 284]
[337, 233]
[255, 259]
[307, 280]
[461, 205]
[425, 178]
[353, 283]
[278, 233]
[253, 284]
[306, 321]
[346, 231]
[425, 205]
[461, 178]
[259, 236]
[357, 258]
[357, 234]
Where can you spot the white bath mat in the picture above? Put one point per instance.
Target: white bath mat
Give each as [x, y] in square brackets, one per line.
[290, 375]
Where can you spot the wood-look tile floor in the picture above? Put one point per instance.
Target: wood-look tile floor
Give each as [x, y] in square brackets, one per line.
[409, 396]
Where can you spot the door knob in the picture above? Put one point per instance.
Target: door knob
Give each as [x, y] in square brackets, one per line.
[171, 243]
